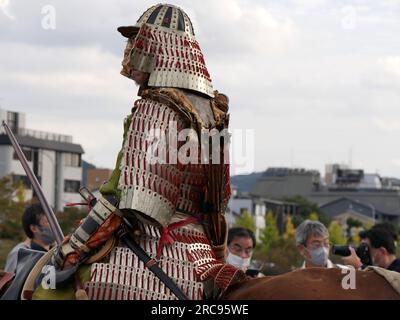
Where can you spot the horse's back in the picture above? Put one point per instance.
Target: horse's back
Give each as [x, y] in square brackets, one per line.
[315, 284]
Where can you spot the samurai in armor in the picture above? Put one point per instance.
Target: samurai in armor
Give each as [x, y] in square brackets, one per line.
[166, 184]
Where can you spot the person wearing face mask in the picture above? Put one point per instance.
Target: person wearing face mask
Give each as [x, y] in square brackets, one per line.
[312, 240]
[38, 232]
[241, 243]
[381, 242]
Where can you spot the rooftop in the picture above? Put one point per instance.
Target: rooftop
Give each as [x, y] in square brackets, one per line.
[284, 171]
[49, 144]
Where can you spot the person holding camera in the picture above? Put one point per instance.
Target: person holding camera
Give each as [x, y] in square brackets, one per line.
[381, 243]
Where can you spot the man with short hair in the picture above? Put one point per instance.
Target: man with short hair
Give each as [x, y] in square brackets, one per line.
[241, 243]
[312, 240]
[37, 229]
[381, 242]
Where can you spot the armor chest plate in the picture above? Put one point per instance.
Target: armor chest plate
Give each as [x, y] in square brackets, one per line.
[122, 276]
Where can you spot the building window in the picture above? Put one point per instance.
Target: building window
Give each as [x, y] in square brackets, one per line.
[72, 159]
[71, 186]
[27, 152]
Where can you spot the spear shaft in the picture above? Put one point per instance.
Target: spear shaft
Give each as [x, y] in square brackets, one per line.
[51, 217]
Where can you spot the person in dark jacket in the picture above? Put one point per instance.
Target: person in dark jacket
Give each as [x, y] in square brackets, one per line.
[38, 232]
[381, 241]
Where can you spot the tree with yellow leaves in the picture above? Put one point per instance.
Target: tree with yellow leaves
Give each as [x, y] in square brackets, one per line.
[270, 234]
[290, 230]
[246, 221]
[336, 233]
[313, 216]
[20, 193]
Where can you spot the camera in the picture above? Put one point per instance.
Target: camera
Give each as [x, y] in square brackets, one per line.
[252, 273]
[362, 252]
[254, 269]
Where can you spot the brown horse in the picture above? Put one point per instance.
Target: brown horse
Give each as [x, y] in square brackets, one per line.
[313, 284]
[305, 284]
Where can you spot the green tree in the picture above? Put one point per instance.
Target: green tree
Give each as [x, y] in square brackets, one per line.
[10, 210]
[368, 225]
[304, 208]
[355, 238]
[270, 234]
[21, 193]
[246, 221]
[352, 223]
[282, 251]
[290, 230]
[336, 233]
[70, 218]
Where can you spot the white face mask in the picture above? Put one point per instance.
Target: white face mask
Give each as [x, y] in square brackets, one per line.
[238, 262]
[319, 256]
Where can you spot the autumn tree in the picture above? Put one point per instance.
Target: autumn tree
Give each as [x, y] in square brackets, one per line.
[313, 216]
[12, 204]
[270, 234]
[336, 233]
[245, 220]
[290, 230]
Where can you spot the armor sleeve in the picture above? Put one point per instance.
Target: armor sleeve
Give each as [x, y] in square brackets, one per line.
[101, 222]
[150, 167]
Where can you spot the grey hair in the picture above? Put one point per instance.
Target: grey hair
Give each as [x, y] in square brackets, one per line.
[308, 228]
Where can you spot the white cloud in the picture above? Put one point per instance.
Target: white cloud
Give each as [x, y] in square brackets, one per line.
[238, 28]
[100, 138]
[391, 64]
[392, 2]
[4, 7]
[79, 70]
[388, 125]
[65, 80]
[292, 73]
[396, 162]
[310, 3]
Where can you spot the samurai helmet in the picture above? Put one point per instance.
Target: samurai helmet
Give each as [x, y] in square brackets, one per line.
[162, 43]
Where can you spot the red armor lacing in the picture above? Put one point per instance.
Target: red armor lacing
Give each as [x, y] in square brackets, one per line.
[166, 236]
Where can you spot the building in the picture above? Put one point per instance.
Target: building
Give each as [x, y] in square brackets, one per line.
[278, 183]
[390, 183]
[258, 208]
[54, 159]
[241, 204]
[96, 177]
[381, 195]
[350, 208]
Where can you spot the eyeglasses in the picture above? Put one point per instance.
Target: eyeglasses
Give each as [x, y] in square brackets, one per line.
[238, 249]
[319, 244]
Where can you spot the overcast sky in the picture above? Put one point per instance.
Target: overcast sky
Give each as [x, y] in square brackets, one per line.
[318, 81]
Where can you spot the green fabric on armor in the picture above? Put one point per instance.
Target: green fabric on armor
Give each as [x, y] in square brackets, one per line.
[67, 293]
[111, 186]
